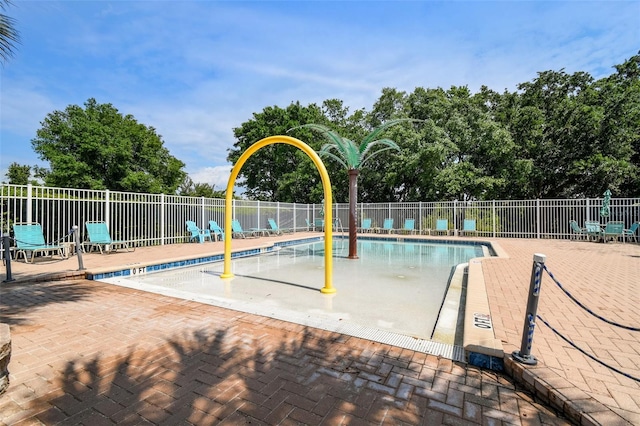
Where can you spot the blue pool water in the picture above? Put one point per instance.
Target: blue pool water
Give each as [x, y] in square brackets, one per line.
[394, 286]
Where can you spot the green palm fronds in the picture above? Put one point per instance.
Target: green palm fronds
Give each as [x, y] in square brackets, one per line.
[9, 36]
[378, 130]
[389, 145]
[348, 153]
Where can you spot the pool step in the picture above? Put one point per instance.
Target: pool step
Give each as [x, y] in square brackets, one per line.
[448, 327]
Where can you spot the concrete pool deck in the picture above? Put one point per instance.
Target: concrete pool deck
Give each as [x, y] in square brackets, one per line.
[86, 352]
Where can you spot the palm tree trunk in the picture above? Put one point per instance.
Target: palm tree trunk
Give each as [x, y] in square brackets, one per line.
[353, 218]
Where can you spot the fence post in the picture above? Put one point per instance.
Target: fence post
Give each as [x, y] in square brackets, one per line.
[493, 217]
[537, 218]
[163, 207]
[524, 355]
[455, 217]
[6, 241]
[258, 215]
[107, 207]
[76, 238]
[202, 213]
[29, 217]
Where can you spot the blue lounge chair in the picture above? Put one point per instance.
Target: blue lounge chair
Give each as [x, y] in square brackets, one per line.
[238, 232]
[365, 226]
[387, 226]
[218, 233]
[409, 227]
[577, 232]
[469, 226]
[593, 230]
[318, 225]
[100, 238]
[631, 232]
[613, 230]
[30, 240]
[197, 234]
[275, 229]
[442, 225]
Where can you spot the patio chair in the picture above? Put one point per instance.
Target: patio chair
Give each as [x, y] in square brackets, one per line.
[275, 229]
[614, 230]
[318, 224]
[365, 225]
[30, 240]
[631, 232]
[218, 233]
[442, 225]
[468, 227]
[100, 238]
[577, 232]
[197, 234]
[593, 230]
[408, 228]
[238, 232]
[387, 226]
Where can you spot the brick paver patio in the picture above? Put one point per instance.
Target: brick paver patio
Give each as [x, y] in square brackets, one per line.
[89, 353]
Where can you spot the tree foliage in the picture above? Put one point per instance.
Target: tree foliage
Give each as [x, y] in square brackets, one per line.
[192, 189]
[558, 136]
[18, 174]
[96, 147]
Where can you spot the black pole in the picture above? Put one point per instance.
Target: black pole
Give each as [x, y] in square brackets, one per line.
[524, 354]
[6, 241]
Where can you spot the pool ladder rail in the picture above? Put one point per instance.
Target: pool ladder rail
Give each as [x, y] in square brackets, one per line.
[337, 225]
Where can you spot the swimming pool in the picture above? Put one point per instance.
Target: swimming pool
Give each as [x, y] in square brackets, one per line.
[394, 287]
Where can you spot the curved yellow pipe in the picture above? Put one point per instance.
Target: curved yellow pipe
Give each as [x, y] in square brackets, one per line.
[326, 184]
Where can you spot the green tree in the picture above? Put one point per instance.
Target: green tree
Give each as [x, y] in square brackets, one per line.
[18, 174]
[460, 152]
[99, 148]
[353, 156]
[191, 189]
[9, 36]
[580, 136]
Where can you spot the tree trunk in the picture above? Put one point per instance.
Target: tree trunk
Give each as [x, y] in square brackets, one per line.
[353, 216]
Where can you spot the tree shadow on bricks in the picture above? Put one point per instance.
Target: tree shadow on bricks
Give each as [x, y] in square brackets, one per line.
[277, 373]
[17, 299]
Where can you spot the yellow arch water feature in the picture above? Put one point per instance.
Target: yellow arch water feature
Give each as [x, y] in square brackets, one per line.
[326, 185]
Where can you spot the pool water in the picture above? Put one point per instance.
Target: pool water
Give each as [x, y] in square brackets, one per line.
[397, 287]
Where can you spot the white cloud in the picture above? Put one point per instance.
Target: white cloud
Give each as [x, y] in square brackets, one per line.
[217, 176]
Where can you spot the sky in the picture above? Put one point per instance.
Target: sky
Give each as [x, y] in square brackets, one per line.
[195, 70]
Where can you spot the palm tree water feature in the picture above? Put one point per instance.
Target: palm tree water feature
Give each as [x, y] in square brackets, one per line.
[353, 157]
[395, 290]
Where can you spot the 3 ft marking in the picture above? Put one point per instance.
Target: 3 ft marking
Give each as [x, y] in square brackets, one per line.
[139, 271]
[482, 321]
